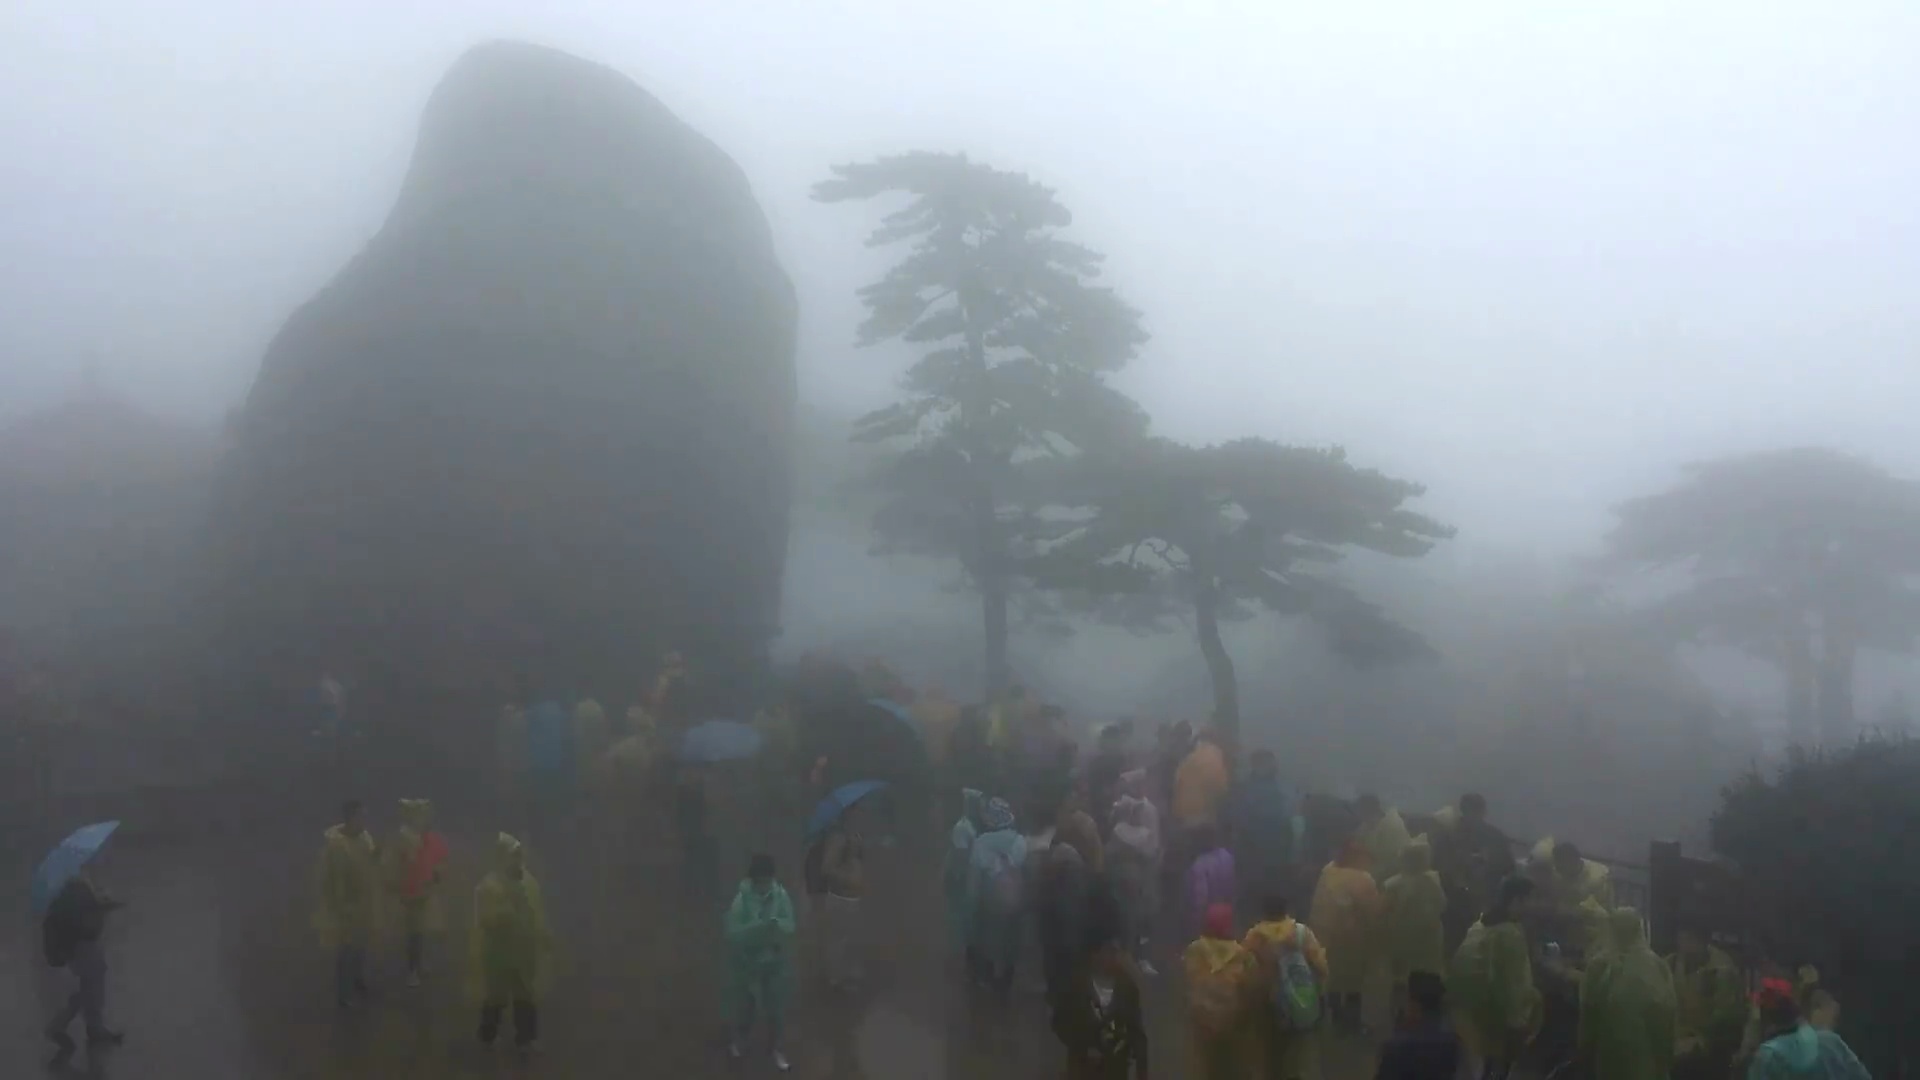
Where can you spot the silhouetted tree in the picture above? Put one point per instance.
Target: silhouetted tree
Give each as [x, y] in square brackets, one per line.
[1822, 846]
[1798, 557]
[1018, 343]
[1219, 532]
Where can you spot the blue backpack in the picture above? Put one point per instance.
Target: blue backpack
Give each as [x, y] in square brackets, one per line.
[1296, 991]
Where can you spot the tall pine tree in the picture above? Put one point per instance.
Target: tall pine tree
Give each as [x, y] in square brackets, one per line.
[1018, 340]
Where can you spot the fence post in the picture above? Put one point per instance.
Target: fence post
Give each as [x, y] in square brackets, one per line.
[1666, 882]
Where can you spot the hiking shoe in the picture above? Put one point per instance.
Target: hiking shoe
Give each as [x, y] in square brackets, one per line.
[734, 1051]
[103, 1037]
[61, 1039]
[1147, 969]
[413, 981]
[780, 1062]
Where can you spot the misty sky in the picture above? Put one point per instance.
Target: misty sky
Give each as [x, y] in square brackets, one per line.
[1531, 254]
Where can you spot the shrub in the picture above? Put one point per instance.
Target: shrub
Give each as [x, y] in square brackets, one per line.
[1830, 849]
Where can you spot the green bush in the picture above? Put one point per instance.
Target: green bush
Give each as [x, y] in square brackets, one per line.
[1830, 850]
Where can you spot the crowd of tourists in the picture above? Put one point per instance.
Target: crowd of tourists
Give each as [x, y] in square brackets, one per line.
[1078, 873]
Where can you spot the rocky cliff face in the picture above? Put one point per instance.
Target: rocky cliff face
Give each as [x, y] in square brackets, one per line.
[539, 428]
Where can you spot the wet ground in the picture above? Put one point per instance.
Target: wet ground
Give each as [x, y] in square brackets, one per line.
[214, 972]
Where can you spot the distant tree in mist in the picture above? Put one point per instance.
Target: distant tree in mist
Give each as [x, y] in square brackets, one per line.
[1799, 557]
[1221, 532]
[1018, 340]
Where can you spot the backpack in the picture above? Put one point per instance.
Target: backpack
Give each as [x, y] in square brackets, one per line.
[1006, 891]
[1296, 993]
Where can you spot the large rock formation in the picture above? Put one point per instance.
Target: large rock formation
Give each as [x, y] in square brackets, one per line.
[537, 430]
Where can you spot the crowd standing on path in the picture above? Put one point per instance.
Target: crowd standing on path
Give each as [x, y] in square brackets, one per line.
[1089, 873]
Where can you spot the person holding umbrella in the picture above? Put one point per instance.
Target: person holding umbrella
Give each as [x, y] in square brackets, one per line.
[75, 918]
[841, 861]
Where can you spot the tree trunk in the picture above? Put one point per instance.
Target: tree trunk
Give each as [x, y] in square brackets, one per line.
[1838, 645]
[1797, 665]
[993, 612]
[1226, 686]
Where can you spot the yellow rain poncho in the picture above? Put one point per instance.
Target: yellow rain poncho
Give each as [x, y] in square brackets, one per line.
[1498, 1009]
[937, 718]
[1415, 902]
[1346, 917]
[1200, 785]
[348, 879]
[1594, 882]
[1384, 840]
[510, 953]
[1221, 976]
[1711, 1001]
[422, 913]
[1627, 1006]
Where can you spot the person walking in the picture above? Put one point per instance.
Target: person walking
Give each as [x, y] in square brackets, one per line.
[71, 934]
[510, 950]
[843, 870]
[1221, 977]
[996, 898]
[1425, 1046]
[415, 859]
[1098, 1018]
[349, 886]
[759, 932]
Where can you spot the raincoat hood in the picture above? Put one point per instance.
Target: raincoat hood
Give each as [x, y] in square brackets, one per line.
[416, 814]
[1417, 857]
[1214, 954]
[509, 854]
[996, 815]
[1625, 931]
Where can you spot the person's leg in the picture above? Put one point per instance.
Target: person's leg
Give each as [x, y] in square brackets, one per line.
[90, 965]
[416, 954]
[358, 955]
[489, 1021]
[526, 1022]
[57, 1028]
[343, 975]
[740, 1022]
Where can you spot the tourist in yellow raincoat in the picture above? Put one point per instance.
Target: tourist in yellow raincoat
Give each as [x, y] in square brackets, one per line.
[414, 862]
[510, 953]
[1283, 1054]
[1627, 1006]
[1346, 915]
[1711, 997]
[1383, 833]
[1498, 1009]
[1416, 904]
[348, 911]
[1221, 977]
[1200, 785]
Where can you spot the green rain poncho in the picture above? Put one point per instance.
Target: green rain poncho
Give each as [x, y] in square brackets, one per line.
[1384, 841]
[1415, 902]
[1627, 1006]
[1712, 1002]
[759, 929]
[348, 879]
[510, 952]
[1491, 982]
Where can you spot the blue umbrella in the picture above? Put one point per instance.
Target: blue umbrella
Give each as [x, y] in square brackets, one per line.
[836, 803]
[898, 710]
[720, 740]
[65, 862]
